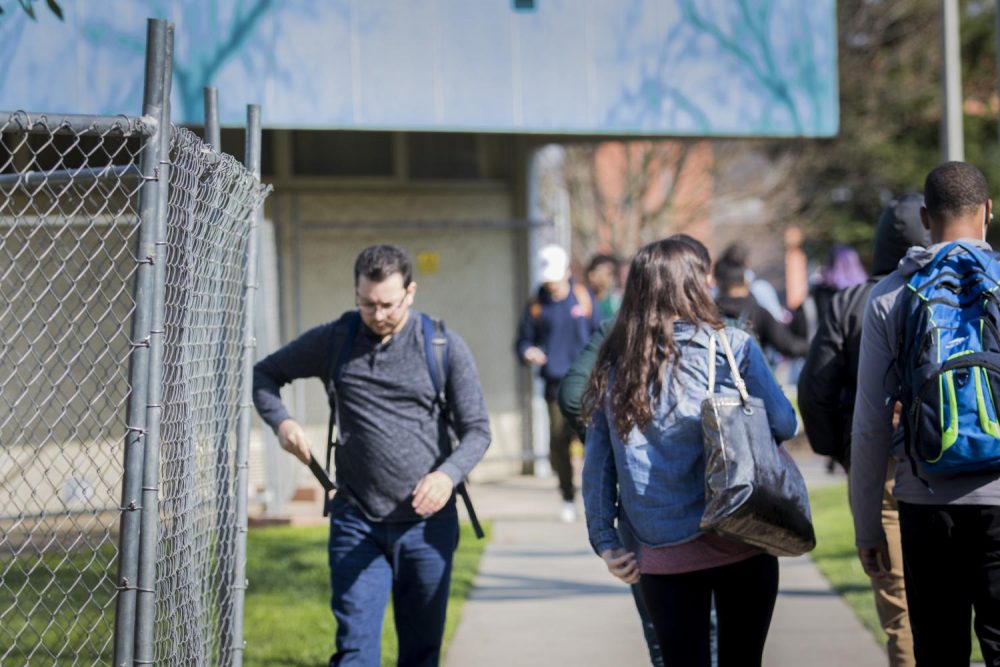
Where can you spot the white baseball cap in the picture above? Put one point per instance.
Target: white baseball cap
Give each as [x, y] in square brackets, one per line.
[552, 263]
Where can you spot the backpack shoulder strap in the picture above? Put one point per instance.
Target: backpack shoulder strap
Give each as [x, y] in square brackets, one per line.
[535, 309]
[582, 295]
[436, 352]
[344, 332]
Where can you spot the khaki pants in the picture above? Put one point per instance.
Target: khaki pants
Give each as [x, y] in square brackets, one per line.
[890, 594]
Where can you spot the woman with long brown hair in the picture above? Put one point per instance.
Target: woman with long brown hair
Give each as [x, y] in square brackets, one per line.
[644, 464]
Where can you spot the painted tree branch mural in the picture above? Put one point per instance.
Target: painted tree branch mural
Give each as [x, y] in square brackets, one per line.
[785, 90]
[684, 68]
[214, 40]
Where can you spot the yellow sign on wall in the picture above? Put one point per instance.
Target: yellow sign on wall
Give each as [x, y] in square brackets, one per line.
[428, 262]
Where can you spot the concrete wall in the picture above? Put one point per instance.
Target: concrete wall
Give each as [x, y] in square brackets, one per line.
[471, 276]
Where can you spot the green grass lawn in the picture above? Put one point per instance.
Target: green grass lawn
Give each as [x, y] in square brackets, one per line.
[837, 559]
[288, 619]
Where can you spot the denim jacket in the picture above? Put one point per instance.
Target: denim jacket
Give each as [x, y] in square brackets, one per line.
[654, 480]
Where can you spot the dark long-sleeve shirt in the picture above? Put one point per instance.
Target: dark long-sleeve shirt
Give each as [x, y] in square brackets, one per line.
[769, 331]
[389, 421]
[574, 383]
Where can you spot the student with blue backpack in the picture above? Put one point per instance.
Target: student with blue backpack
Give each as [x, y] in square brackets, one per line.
[411, 424]
[930, 342]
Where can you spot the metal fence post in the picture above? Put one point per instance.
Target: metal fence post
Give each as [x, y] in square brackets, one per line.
[252, 161]
[213, 135]
[223, 474]
[952, 137]
[146, 596]
[135, 437]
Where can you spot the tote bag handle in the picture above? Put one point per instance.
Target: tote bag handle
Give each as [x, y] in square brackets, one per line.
[741, 386]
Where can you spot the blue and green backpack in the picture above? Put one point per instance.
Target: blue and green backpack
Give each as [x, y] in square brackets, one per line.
[949, 364]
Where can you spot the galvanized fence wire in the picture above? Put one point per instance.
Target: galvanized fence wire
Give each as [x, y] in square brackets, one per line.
[69, 260]
[68, 239]
[212, 201]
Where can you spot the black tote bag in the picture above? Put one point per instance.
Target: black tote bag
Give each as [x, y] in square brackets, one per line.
[754, 492]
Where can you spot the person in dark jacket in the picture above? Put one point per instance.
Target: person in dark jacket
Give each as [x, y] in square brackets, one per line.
[739, 306]
[554, 328]
[827, 387]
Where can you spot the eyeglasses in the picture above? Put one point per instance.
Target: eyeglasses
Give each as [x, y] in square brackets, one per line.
[375, 308]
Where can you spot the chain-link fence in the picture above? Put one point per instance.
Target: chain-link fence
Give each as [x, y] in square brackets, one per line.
[211, 202]
[126, 283]
[68, 234]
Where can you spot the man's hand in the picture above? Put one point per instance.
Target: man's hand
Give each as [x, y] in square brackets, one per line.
[535, 356]
[622, 564]
[293, 439]
[897, 414]
[875, 561]
[432, 493]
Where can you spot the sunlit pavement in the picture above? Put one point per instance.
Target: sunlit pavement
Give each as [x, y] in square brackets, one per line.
[543, 598]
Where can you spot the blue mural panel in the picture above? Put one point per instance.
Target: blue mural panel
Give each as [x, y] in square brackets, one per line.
[553, 47]
[469, 55]
[657, 67]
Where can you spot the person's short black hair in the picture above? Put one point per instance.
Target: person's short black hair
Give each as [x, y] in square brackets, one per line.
[729, 274]
[599, 260]
[955, 189]
[737, 252]
[378, 262]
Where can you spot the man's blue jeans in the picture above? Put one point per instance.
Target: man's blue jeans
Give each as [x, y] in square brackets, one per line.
[368, 559]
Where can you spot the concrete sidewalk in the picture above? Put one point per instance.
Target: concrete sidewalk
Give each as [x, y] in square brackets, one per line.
[543, 598]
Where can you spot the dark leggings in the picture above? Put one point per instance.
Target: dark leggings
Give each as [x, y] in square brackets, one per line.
[680, 604]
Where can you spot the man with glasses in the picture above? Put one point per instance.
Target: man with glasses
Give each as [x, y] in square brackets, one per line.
[393, 522]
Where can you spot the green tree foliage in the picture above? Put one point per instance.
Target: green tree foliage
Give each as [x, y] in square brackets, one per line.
[890, 114]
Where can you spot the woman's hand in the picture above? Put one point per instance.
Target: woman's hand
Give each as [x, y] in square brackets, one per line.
[622, 564]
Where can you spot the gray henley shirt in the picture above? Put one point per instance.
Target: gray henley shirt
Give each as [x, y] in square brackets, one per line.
[390, 423]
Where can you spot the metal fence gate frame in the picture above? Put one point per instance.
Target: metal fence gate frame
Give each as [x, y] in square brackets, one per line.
[128, 257]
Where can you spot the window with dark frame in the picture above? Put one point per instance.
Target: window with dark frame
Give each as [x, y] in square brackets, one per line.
[438, 156]
[342, 153]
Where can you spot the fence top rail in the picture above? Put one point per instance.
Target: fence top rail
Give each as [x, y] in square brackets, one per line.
[77, 124]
